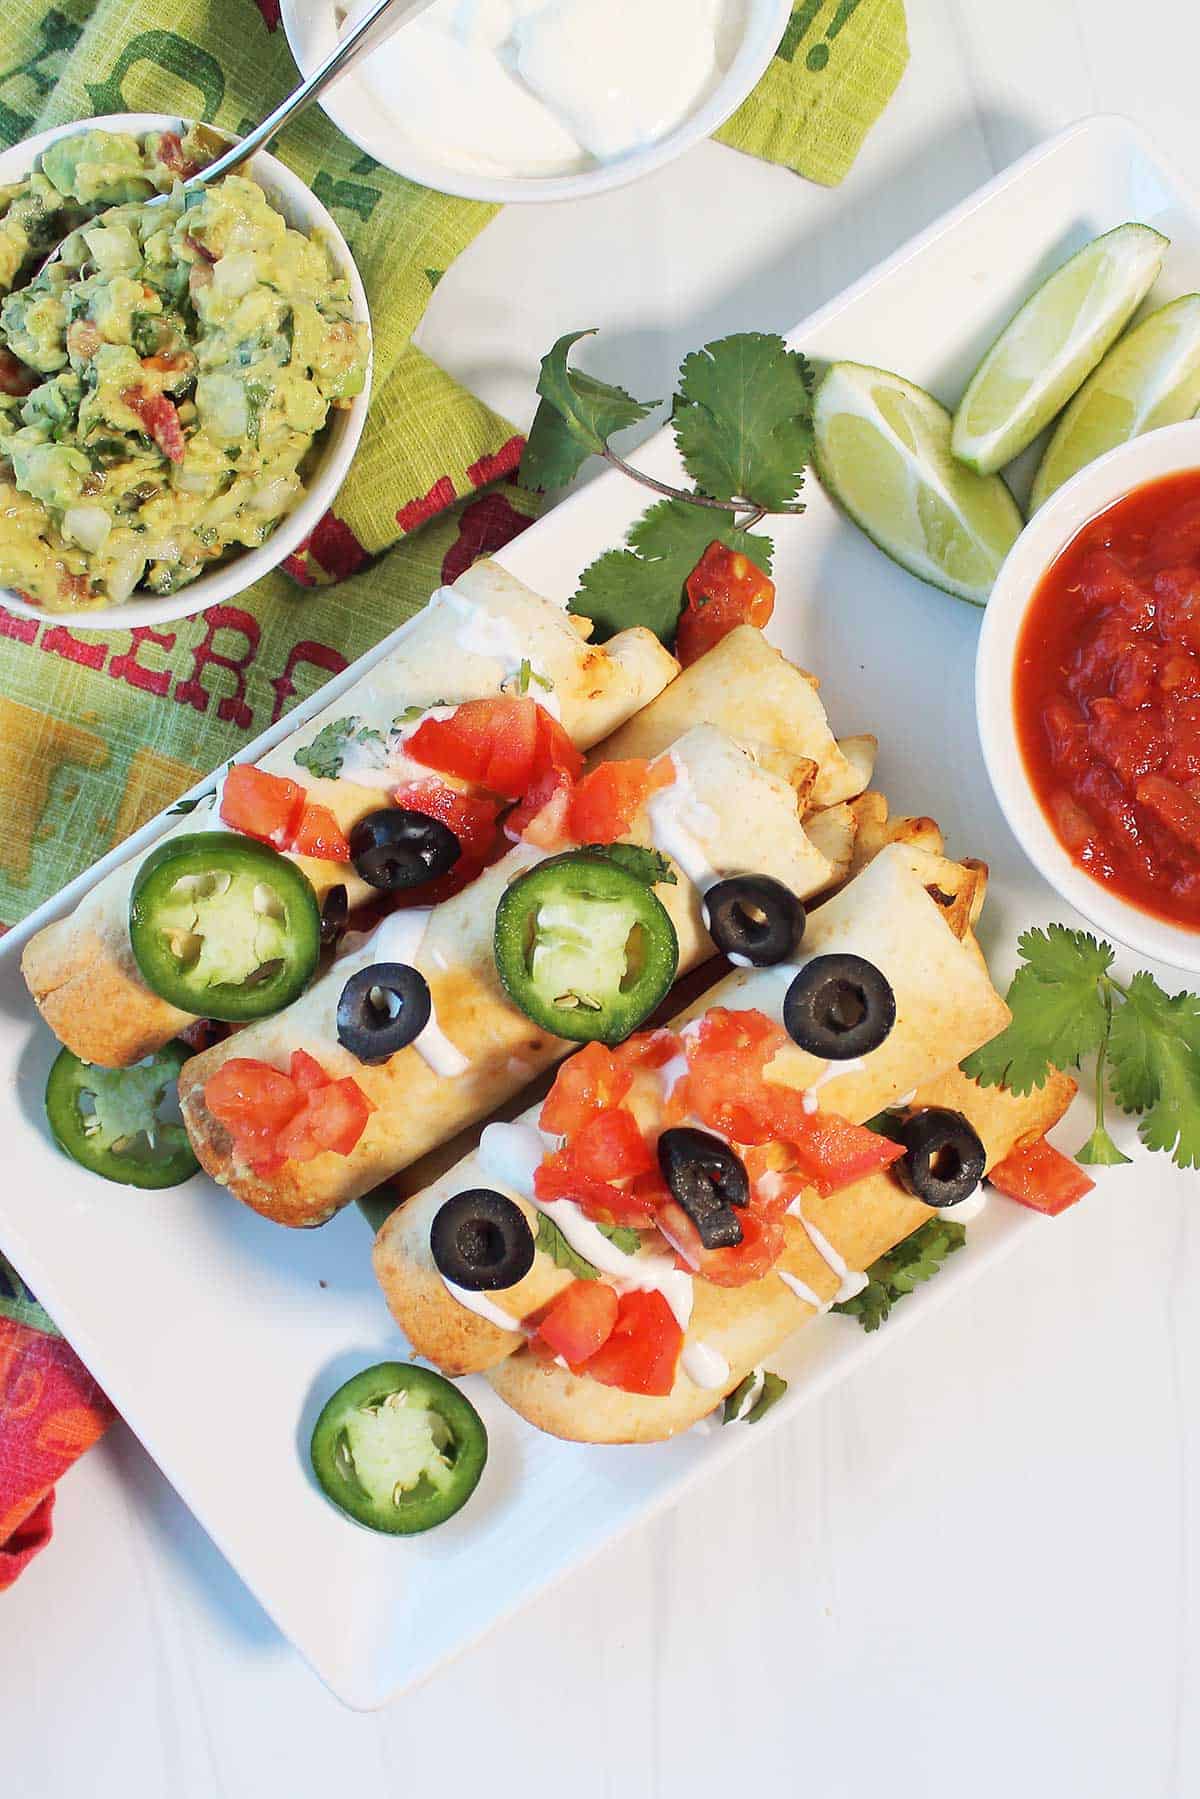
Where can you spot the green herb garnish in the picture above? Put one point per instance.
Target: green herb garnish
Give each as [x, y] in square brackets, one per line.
[324, 756]
[773, 1389]
[894, 1275]
[1066, 1005]
[650, 866]
[743, 424]
[551, 1241]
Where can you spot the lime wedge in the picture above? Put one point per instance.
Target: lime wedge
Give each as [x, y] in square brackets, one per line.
[1052, 345]
[882, 451]
[1151, 377]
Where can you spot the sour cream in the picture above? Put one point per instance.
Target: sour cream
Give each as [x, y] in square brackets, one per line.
[398, 939]
[678, 819]
[550, 87]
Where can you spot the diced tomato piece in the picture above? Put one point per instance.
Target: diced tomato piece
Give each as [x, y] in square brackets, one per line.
[559, 1178]
[334, 1118]
[555, 748]
[580, 1320]
[320, 834]
[15, 378]
[471, 817]
[587, 1083]
[725, 1086]
[543, 816]
[160, 420]
[610, 1146]
[831, 1153]
[607, 802]
[265, 806]
[760, 1248]
[1174, 805]
[247, 1095]
[648, 1049]
[1042, 1178]
[306, 1071]
[724, 590]
[492, 742]
[642, 1350]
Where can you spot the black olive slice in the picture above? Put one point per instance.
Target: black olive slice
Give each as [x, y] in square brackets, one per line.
[943, 1160]
[754, 918]
[839, 1008]
[481, 1240]
[708, 1179]
[396, 848]
[334, 912]
[383, 1008]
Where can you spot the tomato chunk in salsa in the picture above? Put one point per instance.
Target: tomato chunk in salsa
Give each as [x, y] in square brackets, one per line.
[1106, 692]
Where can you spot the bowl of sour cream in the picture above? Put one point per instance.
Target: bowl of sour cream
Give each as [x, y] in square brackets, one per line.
[525, 100]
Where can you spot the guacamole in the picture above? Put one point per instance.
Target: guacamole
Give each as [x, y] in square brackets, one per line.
[162, 382]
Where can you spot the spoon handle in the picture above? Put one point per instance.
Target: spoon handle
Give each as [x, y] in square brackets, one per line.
[373, 29]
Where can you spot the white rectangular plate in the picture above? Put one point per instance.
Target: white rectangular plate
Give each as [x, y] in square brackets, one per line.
[219, 1335]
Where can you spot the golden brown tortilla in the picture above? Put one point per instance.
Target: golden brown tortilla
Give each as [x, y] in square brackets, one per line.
[747, 817]
[81, 970]
[746, 1325]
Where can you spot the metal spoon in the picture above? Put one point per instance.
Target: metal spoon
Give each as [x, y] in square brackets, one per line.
[374, 28]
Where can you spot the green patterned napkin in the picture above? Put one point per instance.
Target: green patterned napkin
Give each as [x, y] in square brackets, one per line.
[98, 731]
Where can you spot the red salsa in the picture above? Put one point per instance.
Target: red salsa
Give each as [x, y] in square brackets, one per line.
[1106, 692]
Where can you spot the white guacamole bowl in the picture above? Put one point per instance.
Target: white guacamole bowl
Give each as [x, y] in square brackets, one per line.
[334, 448]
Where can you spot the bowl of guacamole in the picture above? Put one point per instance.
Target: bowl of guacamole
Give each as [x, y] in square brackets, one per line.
[183, 388]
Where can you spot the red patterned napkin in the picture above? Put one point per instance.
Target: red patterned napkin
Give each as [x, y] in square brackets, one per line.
[51, 1410]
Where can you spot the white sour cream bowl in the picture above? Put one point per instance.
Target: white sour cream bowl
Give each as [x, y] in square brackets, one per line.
[571, 126]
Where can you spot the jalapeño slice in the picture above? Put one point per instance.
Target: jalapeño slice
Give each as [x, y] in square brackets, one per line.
[585, 948]
[399, 1449]
[117, 1122]
[223, 926]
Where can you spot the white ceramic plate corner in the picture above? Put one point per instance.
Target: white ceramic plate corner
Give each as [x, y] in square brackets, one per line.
[182, 1302]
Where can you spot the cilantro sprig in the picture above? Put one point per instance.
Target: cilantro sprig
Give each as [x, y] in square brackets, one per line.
[742, 417]
[892, 1278]
[1067, 1005]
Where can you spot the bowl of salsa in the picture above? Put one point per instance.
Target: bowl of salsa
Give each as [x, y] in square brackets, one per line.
[1088, 692]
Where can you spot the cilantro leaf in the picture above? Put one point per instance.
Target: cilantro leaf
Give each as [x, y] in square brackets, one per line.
[650, 866]
[1100, 1151]
[1059, 1014]
[1059, 954]
[326, 753]
[773, 1389]
[918, 1258]
[743, 419]
[643, 585]
[577, 416]
[552, 1243]
[323, 756]
[623, 1236]
[1155, 1057]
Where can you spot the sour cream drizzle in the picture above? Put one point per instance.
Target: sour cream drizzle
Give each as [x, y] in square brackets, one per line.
[967, 1208]
[676, 814]
[482, 1305]
[704, 1366]
[851, 1282]
[484, 633]
[398, 939]
[511, 1154]
[830, 1072]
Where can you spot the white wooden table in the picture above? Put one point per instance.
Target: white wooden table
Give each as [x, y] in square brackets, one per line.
[971, 1571]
